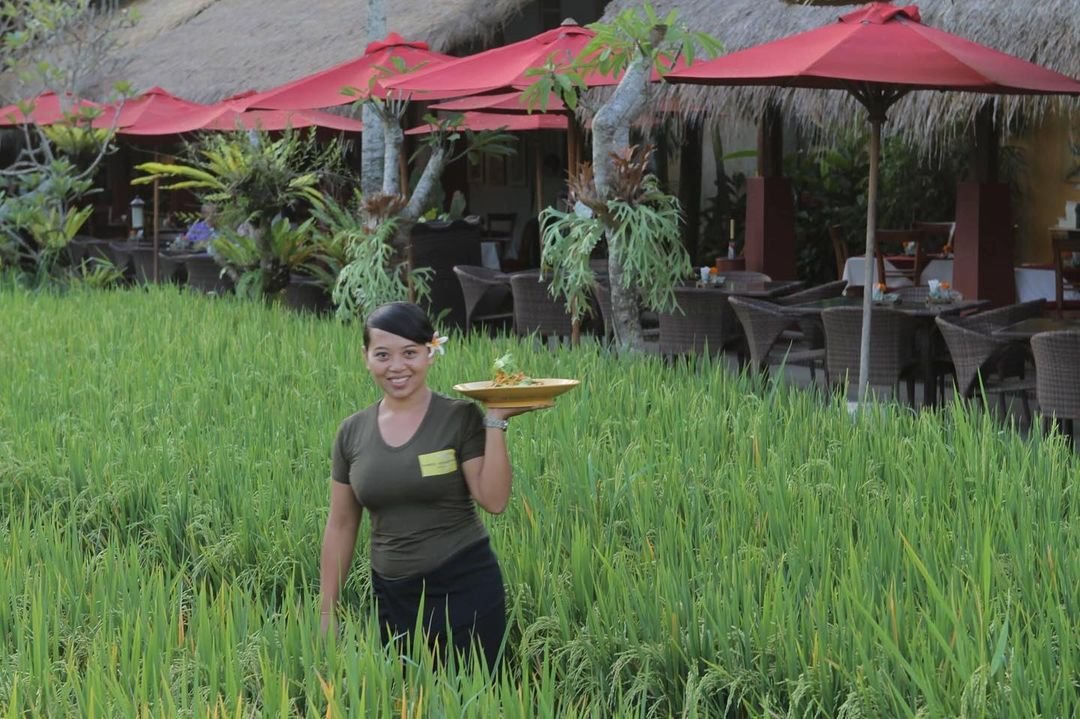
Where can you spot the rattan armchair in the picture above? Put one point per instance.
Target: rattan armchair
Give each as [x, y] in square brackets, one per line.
[703, 321]
[746, 276]
[811, 294]
[764, 325]
[1004, 316]
[892, 347]
[810, 330]
[914, 295]
[487, 294]
[535, 310]
[1014, 360]
[976, 358]
[1057, 376]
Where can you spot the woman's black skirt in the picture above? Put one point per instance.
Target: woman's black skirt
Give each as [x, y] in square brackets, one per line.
[462, 600]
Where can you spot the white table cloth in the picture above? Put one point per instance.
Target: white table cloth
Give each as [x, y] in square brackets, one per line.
[937, 269]
[1034, 283]
[489, 255]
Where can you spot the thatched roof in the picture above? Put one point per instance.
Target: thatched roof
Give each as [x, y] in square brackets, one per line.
[205, 50]
[1045, 32]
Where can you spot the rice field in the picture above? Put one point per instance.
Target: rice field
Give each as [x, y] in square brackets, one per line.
[682, 541]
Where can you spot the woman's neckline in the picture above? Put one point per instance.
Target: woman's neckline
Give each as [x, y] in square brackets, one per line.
[416, 433]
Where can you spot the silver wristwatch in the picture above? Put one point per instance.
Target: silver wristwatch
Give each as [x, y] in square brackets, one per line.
[492, 423]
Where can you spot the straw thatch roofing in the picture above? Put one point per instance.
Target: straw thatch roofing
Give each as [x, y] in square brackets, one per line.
[205, 50]
[1044, 32]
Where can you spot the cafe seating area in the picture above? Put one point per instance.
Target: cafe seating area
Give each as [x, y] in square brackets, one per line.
[923, 352]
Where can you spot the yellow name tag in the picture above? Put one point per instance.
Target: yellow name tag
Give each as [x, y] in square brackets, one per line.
[436, 463]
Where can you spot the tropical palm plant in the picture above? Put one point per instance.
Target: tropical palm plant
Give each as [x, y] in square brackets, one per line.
[253, 178]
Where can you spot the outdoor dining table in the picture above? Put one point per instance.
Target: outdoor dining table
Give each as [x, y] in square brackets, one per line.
[924, 313]
[1024, 330]
[755, 288]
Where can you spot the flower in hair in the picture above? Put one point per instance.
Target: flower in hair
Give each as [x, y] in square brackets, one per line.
[436, 345]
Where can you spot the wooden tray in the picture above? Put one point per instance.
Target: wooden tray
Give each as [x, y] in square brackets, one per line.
[541, 393]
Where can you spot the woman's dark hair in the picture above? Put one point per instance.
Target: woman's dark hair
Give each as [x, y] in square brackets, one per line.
[403, 319]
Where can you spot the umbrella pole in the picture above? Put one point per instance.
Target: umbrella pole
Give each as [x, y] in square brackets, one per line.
[868, 263]
[157, 198]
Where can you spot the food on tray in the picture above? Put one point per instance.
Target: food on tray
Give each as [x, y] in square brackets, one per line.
[506, 373]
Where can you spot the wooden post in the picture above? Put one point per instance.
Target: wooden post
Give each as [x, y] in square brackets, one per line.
[538, 175]
[157, 241]
[690, 189]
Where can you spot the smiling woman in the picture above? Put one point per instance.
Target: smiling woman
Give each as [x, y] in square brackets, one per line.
[419, 462]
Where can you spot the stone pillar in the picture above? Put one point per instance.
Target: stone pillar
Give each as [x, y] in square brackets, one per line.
[770, 227]
[983, 245]
[770, 207]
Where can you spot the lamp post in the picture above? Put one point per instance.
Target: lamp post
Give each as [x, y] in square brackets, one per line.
[137, 217]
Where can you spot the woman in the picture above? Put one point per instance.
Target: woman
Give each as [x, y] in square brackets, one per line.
[419, 462]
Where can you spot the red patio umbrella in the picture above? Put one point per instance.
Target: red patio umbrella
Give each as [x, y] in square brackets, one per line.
[878, 53]
[325, 88]
[234, 114]
[46, 109]
[500, 68]
[151, 107]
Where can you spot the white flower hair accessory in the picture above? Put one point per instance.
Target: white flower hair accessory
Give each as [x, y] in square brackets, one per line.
[436, 345]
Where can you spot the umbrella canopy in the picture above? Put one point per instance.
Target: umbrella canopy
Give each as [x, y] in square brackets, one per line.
[232, 114]
[878, 53]
[150, 108]
[510, 122]
[881, 44]
[46, 109]
[512, 102]
[501, 68]
[325, 88]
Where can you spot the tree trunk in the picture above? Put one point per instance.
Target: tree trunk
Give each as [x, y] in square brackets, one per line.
[426, 185]
[611, 133]
[371, 140]
[394, 138]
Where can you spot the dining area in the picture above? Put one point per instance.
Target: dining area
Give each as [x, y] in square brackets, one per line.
[1021, 361]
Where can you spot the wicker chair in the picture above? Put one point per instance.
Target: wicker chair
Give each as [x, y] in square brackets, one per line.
[746, 276]
[703, 320]
[897, 241]
[1004, 316]
[916, 295]
[764, 324]
[1057, 376]
[535, 310]
[810, 330]
[892, 347]
[976, 361]
[811, 294]
[488, 298]
[1012, 361]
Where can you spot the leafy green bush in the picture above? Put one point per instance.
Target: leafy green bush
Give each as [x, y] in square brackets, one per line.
[830, 186]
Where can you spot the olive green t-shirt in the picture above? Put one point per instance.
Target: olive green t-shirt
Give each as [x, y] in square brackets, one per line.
[421, 509]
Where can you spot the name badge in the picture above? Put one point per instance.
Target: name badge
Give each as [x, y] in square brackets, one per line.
[435, 463]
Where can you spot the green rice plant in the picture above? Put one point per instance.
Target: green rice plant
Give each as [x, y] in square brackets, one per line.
[681, 541]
